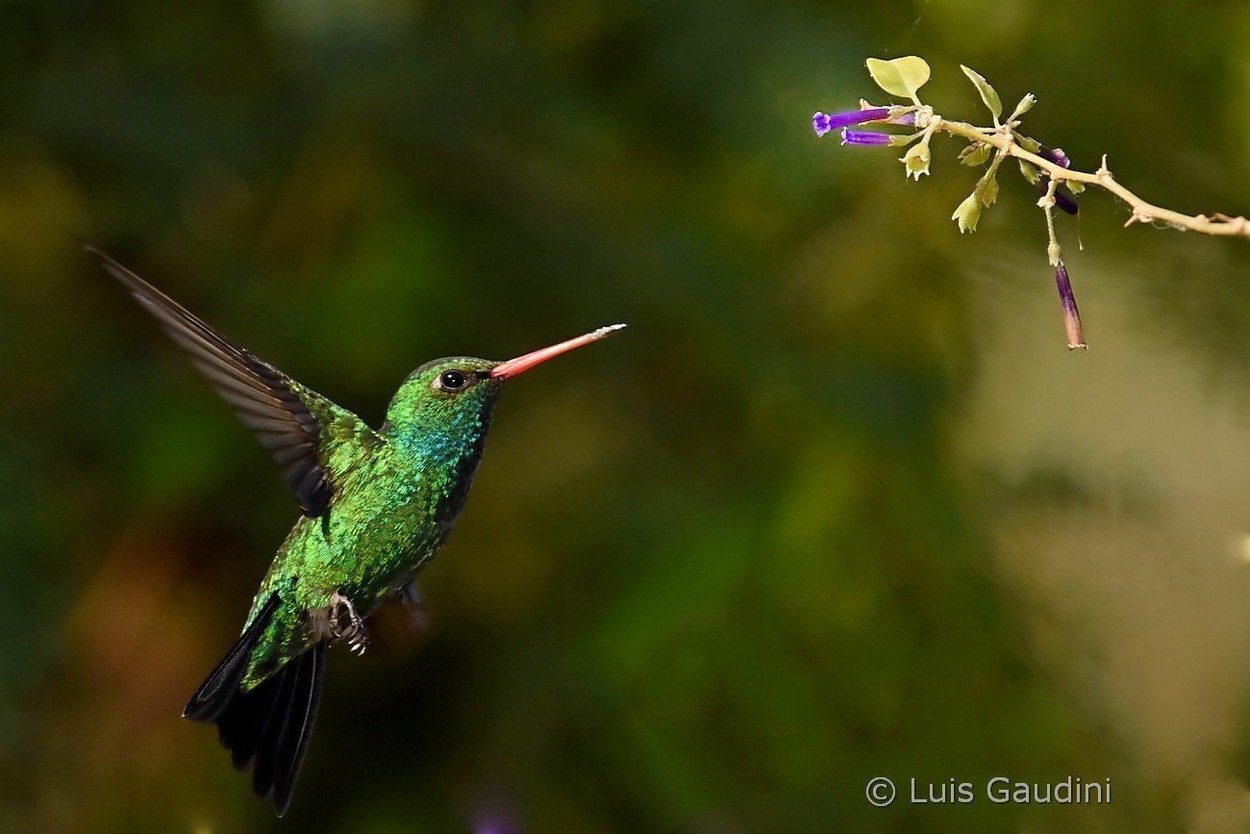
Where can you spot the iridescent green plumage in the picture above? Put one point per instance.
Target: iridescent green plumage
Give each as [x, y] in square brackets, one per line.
[377, 506]
[397, 494]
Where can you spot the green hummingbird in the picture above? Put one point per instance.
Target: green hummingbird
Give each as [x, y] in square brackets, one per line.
[378, 504]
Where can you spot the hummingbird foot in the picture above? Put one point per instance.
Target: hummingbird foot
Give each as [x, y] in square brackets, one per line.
[356, 635]
[357, 640]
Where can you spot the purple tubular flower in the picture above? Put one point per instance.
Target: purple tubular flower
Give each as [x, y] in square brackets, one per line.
[1071, 315]
[1055, 155]
[822, 123]
[1064, 200]
[864, 137]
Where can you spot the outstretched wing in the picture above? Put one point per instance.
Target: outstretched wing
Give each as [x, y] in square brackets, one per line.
[297, 425]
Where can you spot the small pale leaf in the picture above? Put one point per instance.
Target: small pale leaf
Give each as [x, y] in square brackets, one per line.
[988, 94]
[900, 76]
[1030, 173]
[1074, 186]
[974, 155]
[987, 188]
[1030, 145]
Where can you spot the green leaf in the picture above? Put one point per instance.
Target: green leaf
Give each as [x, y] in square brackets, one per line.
[1030, 173]
[1030, 145]
[1074, 186]
[900, 76]
[987, 188]
[900, 140]
[988, 95]
[968, 213]
[975, 154]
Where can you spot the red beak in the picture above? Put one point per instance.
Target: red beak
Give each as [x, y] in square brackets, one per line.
[515, 367]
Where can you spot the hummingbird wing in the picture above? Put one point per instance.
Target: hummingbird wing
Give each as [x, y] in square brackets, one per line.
[298, 426]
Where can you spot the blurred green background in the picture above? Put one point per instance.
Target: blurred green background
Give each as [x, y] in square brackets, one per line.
[838, 505]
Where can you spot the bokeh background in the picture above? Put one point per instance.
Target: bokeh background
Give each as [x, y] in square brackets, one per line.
[838, 505]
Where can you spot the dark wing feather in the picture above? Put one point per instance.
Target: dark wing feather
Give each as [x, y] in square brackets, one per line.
[270, 403]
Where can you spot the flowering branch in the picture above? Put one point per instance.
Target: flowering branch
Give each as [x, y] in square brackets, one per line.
[1143, 212]
[1045, 168]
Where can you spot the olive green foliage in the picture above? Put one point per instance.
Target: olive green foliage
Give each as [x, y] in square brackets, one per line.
[837, 505]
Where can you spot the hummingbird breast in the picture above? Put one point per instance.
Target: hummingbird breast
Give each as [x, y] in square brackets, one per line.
[391, 514]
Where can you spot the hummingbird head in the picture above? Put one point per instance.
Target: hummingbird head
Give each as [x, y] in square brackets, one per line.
[454, 397]
[448, 400]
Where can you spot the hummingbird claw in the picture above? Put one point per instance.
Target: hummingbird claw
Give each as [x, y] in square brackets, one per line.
[356, 635]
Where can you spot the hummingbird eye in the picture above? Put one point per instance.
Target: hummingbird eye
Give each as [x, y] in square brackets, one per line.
[452, 380]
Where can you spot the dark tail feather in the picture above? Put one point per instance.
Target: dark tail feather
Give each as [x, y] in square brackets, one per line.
[222, 684]
[269, 726]
[277, 750]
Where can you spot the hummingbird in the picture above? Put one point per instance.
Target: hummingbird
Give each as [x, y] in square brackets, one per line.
[377, 505]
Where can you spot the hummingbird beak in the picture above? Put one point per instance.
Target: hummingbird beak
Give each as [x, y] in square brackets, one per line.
[515, 367]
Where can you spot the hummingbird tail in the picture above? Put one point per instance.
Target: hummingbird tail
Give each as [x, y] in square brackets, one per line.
[267, 727]
[221, 685]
